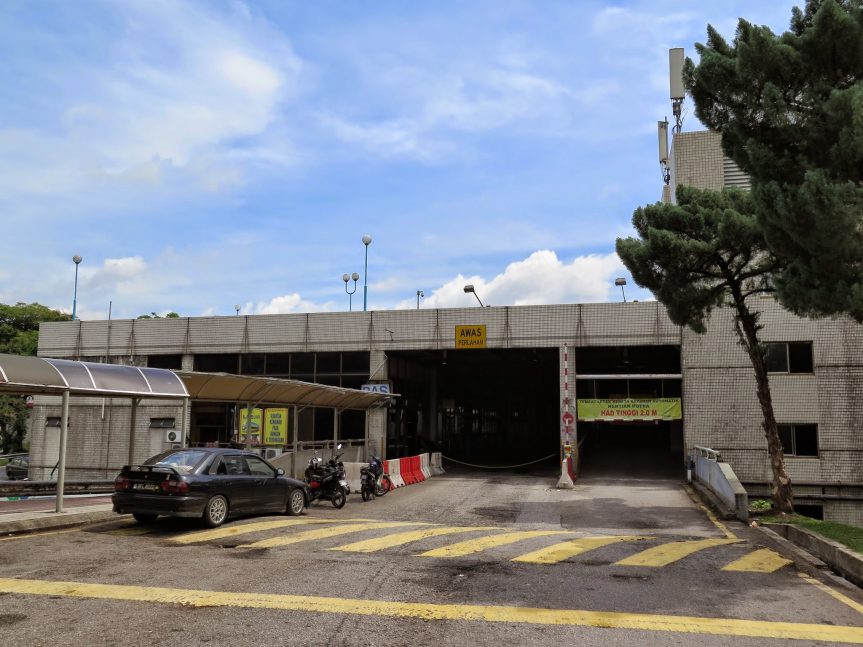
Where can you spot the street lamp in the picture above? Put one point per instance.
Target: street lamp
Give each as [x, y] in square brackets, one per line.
[367, 240]
[621, 282]
[469, 288]
[77, 260]
[346, 278]
[237, 308]
[420, 294]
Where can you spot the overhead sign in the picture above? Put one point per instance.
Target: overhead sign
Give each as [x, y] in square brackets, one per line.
[379, 387]
[470, 336]
[630, 409]
[254, 428]
[276, 427]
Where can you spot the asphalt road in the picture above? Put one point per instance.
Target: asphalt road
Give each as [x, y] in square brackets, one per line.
[613, 562]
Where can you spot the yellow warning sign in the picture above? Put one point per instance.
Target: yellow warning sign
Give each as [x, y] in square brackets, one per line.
[470, 336]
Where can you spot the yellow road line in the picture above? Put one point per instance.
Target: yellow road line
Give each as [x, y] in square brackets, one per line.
[567, 549]
[833, 593]
[671, 552]
[427, 611]
[716, 522]
[40, 534]
[492, 541]
[763, 560]
[242, 529]
[401, 538]
[325, 533]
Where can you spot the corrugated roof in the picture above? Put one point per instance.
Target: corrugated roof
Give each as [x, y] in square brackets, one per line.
[224, 387]
[29, 375]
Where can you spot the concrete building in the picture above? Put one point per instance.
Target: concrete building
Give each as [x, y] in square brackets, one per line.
[490, 386]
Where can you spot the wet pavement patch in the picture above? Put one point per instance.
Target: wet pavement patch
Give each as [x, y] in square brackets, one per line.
[8, 619]
[503, 514]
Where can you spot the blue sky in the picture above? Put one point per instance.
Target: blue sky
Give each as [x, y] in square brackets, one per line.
[200, 155]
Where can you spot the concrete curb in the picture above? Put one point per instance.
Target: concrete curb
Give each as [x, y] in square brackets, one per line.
[841, 559]
[54, 521]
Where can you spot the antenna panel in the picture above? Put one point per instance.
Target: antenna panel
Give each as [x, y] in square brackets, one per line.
[662, 127]
[675, 68]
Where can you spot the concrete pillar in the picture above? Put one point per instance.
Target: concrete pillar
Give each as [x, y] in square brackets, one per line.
[188, 362]
[376, 419]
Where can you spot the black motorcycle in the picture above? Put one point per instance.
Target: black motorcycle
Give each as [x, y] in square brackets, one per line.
[374, 482]
[327, 480]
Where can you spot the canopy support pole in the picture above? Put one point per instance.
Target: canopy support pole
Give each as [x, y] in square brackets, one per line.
[61, 471]
[133, 421]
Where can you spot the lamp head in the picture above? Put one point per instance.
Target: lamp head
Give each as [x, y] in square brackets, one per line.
[620, 281]
[367, 240]
[77, 259]
[345, 278]
[468, 288]
[355, 276]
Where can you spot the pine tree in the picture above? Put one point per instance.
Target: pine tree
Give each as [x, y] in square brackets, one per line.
[790, 110]
[704, 252]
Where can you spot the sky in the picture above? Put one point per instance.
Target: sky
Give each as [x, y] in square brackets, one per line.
[206, 155]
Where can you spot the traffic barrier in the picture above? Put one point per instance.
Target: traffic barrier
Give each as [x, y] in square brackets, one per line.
[425, 465]
[407, 467]
[437, 464]
[352, 474]
[417, 468]
[392, 468]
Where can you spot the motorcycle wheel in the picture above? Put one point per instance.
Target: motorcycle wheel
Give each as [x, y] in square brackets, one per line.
[339, 498]
[366, 492]
[385, 486]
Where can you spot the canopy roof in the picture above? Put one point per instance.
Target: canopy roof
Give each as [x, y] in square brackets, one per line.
[30, 375]
[223, 387]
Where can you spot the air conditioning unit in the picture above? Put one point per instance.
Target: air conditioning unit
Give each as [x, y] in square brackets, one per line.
[271, 452]
[172, 436]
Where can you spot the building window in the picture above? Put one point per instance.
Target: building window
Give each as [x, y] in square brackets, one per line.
[174, 362]
[161, 423]
[799, 440]
[789, 357]
[52, 421]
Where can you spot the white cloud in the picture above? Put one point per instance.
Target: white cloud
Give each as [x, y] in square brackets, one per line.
[541, 278]
[289, 303]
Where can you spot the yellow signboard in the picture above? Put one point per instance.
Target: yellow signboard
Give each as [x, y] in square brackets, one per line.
[470, 336]
[254, 427]
[276, 427]
[630, 409]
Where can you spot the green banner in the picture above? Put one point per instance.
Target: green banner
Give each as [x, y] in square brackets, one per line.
[630, 409]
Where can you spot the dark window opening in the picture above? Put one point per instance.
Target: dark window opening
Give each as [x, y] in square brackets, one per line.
[278, 363]
[355, 362]
[302, 364]
[608, 360]
[324, 419]
[172, 362]
[217, 363]
[328, 363]
[789, 357]
[253, 364]
[162, 423]
[799, 440]
[813, 511]
[52, 421]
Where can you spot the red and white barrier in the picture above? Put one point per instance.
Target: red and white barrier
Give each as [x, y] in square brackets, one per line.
[393, 468]
[425, 465]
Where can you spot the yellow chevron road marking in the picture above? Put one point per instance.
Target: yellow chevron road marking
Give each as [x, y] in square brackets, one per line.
[401, 538]
[492, 541]
[844, 599]
[325, 533]
[242, 529]
[671, 552]
[562, 551]
[427, 611]
[763, 560]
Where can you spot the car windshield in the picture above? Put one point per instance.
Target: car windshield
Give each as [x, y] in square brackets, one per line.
[182, 461]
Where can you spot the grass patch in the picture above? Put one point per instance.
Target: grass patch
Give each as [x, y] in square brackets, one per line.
[850, 536]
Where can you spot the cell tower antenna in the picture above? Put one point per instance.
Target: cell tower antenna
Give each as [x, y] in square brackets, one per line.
[678, 93]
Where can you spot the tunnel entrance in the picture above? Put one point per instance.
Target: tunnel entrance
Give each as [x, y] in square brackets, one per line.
[479, 406]
[633, 450]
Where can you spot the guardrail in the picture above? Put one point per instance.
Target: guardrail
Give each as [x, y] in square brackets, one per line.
[717, 476]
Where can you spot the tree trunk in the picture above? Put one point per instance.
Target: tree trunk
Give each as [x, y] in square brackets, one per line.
[747, 330]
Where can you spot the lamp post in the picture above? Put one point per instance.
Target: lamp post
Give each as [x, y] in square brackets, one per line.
[469, 288]
[621, 282]
[420, 295]
[237, 308]
[77, 260]
[346, 278]
[367, 240]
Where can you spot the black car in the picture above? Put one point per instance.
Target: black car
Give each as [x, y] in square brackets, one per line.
[17, 467]
[206, 482]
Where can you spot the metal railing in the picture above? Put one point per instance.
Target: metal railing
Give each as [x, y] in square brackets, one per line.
[708, 453]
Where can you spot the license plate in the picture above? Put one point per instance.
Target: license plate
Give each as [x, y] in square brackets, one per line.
[150, 487]
[343, 482]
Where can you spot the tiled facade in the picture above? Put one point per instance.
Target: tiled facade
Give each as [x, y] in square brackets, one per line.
[720, 407]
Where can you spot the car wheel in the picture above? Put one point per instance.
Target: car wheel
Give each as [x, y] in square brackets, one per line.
[216, 511]
[144, 519]
[296, 502]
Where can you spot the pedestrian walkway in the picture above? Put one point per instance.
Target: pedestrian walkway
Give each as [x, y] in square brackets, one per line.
[27, 514]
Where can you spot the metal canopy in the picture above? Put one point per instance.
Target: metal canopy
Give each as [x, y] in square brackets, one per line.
[29, 375]
[224, 387]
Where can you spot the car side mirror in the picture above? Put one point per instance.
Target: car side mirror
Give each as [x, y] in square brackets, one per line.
[280, 472]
